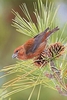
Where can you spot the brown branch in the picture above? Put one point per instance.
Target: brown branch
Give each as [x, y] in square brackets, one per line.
[57, 76]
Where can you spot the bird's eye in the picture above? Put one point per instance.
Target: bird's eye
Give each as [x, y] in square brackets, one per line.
[17, 51]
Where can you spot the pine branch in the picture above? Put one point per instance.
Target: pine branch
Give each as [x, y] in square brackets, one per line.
[26, 74]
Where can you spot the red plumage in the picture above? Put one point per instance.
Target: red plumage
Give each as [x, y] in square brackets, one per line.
[34, 46]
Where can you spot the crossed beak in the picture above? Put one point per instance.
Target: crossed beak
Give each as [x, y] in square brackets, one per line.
[14, 55]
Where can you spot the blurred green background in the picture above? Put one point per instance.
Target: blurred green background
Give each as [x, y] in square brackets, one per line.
[10, 39]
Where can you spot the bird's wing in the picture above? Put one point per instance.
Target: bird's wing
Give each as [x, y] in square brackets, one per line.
[38, 40]
[32, 44]
[42, 37]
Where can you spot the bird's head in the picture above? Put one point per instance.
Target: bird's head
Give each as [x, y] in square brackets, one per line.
[19, 53]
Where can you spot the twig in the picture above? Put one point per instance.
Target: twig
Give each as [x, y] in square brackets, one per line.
[57, 76]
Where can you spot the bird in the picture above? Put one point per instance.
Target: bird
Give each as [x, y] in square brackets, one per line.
[34, 46]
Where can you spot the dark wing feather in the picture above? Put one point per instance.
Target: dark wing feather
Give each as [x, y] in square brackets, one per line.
[42, 37]
[32, 44]
[37, 40]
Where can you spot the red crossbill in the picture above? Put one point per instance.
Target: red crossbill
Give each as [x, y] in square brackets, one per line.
[34, 46]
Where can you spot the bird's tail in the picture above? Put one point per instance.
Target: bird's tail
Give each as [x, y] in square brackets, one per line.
[50, 32]
[54, 30]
